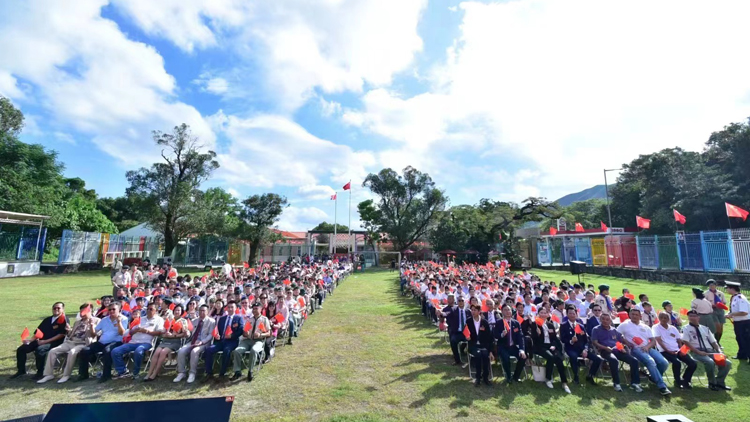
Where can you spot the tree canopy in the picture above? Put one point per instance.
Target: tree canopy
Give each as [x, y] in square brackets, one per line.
[328, 228]
[258, 215]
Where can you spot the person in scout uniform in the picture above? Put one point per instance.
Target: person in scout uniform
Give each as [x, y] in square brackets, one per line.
[716, 298]
[603, 300]
[705, 310]
[739, 313]
[704, 349]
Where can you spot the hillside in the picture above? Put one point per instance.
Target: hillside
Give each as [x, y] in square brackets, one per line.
[598, 192]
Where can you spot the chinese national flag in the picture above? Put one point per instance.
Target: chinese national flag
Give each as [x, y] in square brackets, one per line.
[25, 334]
[261, 327]
[211, 272]
[683, 311]
[228, 331]
[190, 325]
[735, 211]
[167, 325]
[643, 223]
[579, 227]
[552, 231]
[301, 302]
[578, 329]
[539, 321]
[519, 317]
[61, 319]
[619, 346]
[125, 306]
[630, 296]
[287, 282]
[348, 186]
[333, 197]
[85, 311]
[38, 334]
[216, 333]
[604, 226]
[637, 340]
[171, 306]
[177, 327]
[556, 318]
[467, 333]
[484, 306]
[679, 217]
[135, 323]
[722, 306]
[247, 327]
[279, 318]
[245, 264]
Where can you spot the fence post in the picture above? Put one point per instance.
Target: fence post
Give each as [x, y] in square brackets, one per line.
[730, 245]
[637, 251]
[704, 249]
[679, 253]
[656, 250]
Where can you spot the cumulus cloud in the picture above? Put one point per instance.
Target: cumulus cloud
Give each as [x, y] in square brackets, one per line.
[568, 88]
[301, 218]
[315, 192]
[92, 78]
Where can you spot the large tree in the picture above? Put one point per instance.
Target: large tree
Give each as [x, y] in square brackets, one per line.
[408, 205]
[328, 228]
[258, 215]
[169, 188]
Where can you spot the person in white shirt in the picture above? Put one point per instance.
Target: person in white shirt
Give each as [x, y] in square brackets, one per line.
[704, 348]
[136, 276]
[641, 341]
[668, 341]
[121, 280]
[648, 315]
[739, 313]
[226, 268]
[142, 336]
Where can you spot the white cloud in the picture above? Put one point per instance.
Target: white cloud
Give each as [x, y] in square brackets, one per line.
[301, 218]
[233, 192]
[92, 78]
[329, 108]
[315, 192]
[9, 86]
[299, 45]
[568, 88]
[213, 84]
[64, 137]
[269, 150]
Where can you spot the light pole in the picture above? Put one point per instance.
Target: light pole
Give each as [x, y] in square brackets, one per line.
[606, 191]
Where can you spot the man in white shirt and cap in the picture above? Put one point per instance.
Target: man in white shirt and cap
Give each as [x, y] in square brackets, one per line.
[739, 313]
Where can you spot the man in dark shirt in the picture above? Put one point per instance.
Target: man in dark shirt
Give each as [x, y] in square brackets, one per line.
[510, 342]
[455, 316]
[52, 331]
[480, 343]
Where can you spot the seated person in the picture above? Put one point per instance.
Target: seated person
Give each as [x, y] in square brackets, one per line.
[648, 315]
[703, 347]
[640, 339]
[142, 335]
[576, 342]
[510, 342]
[668, 341]
[605, 340]
[480, 344]
[176, 328]
[548, 346]
[110, 330]
[199, 339]
[256, 330]
[674, 318]
[78, 336]
[227, 334]
[49, 334]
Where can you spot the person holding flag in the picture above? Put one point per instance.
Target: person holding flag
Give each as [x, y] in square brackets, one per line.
[669, 344]
[603, 300]
[479, 336]
[78, 336]
[510, 342]
[226, 337]
[576, 343]
[255, 331]
[739, 313]
[49, 334]
[639, 337]
[704, 349]
[199, 340]
[548, 346]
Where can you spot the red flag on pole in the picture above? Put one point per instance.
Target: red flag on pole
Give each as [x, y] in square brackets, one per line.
[333, 197]
[643, 223]
[579, 227]
[679, 217]
[348, 186]
[38, 334]
[604, 226]
[25, 334]
[578, 329]
[552, 231]
[735, 211]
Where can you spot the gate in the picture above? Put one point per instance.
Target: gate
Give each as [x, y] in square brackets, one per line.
[599, 252]
[668, 257]
[629, 251]
[648, 252]
[583, 250]
[614, 251]
[741, 246]
[717, 251]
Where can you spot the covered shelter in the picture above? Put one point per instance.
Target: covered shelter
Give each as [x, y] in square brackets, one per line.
[22, 238]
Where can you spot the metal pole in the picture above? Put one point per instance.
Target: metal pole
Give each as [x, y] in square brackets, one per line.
[606, 190]
[335, 223]
[38, 238]
[349, 239]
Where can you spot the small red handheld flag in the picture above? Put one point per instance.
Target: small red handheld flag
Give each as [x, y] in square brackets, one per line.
[125, 306]
[579, 330]
[279, 318]
[190, 325]
[507, 325]
[98, 302]
[552, 231]
[604, 226]
[348, 186]
[679, 217]
[247, 326]
[555, 318]
[467, 333]
[333, 197]
[262, 327]
[25, 334]
[61, 319]
[38, 334]
[684, 349]
[637, 340]
[721, 305]
[228, 331]
[630, 296]
[167, 325]
[136, 322]
[519, 318]
[245, 264]
[624, 316]
[177, 327]
[287, 281]
[641, 222]
[539, 321]
[619, 346]
[720, 359]
[301, 302]
[85, 311]
[171, 306]
[579, 227]
[683, 311]
[735, 211]
[215, 333]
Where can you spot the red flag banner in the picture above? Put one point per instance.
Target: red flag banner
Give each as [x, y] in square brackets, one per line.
[348, 186]
[722, 306]
[228, 331]
[679, 217]
[333, 197]
[683, 311]
[630, 296]
[579, 227]
[637, 340]
[578, 329]
[25, 334]
[519, 318]
[125, 306]
[467, 333]
[604, 226]
[247, 327]
[245, 264]
[262, 327]
[216, 332]
[279, 318]
[555, 318]
[177, 327]
[643, 223]
[167, 324]
[135, 323]
[539, 321]
[736, 212]
[38, 334]
[684, 349]
[61, 319]
[552, 231]
[619, 346]
[190, 325]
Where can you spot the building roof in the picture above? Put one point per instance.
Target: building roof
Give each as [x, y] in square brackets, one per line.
[21, 218]
[291, 235]
[141, 230]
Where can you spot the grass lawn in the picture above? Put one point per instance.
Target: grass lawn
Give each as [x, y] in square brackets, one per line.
[368, 356]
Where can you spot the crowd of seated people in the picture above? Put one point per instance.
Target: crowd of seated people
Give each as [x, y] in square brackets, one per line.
[492, 313]
[236, 316]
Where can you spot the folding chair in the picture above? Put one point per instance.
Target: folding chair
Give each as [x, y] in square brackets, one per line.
[473, 372]
[463, 351]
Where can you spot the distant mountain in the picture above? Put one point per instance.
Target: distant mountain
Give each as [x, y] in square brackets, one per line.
[597, 192]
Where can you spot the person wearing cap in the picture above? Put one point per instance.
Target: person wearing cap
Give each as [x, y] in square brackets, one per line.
[256, 329]
[716, 297]
[705, 310]
[674, 318]
[739, 313]
[603, 300]
[121, 280]
[668, 342]
[648, 315]
[703, 348]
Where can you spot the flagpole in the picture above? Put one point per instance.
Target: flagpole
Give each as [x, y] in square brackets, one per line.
[335, 219]
[349, 239]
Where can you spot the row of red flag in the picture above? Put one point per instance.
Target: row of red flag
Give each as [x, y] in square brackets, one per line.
[644, 223]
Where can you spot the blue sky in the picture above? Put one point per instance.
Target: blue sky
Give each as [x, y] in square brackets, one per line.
[493, 99]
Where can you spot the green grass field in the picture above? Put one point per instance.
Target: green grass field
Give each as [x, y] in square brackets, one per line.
[368, 356]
